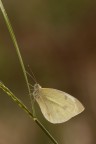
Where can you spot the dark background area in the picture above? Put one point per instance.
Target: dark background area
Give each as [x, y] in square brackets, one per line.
[58, 40]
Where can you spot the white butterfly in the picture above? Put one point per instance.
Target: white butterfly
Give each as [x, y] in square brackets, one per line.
[56, 106]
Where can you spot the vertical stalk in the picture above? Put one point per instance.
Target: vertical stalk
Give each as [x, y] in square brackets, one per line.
[17, 50]
[5, 89]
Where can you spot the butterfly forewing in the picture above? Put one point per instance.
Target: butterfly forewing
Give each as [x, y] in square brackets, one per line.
[58, 106]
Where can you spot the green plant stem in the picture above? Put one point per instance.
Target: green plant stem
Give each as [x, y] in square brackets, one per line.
[20, 103]
[32, 115]
[17, 49]
[14, 41]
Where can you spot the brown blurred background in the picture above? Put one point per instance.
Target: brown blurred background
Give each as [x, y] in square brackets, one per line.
[58, 40]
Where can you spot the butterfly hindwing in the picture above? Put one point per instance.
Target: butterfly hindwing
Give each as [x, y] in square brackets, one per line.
[58, 106]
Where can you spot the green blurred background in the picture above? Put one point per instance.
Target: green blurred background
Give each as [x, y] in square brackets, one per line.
[58, 40]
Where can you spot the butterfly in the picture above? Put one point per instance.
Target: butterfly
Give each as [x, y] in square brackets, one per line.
[56, 106]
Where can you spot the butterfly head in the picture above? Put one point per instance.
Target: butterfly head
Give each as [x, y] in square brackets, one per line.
[36, 89]
[37, 86]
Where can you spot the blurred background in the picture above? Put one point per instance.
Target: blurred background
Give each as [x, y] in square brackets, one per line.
[58, 40]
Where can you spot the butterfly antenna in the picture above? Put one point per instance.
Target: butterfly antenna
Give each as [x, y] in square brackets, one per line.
[32, 76]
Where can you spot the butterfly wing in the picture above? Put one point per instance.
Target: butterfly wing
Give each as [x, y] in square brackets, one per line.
[58, 106]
